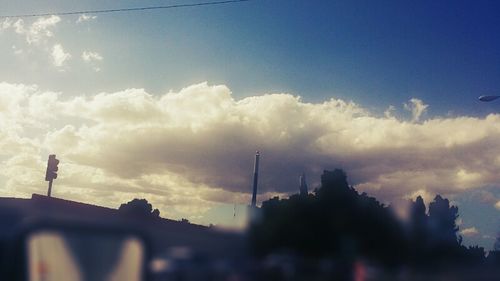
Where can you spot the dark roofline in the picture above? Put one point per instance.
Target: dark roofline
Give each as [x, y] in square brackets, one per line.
[39, 202]
[64, 202]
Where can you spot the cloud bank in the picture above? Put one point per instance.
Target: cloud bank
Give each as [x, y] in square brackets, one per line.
[189, 150]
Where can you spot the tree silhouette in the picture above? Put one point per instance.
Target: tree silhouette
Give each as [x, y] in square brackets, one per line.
[433, 237]
[494, 255]
[139, 208]
[442, 223]
[335, 221]
[155, 213]
[418, 235]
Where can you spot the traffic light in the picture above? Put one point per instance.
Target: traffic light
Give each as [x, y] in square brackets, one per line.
[52, 168]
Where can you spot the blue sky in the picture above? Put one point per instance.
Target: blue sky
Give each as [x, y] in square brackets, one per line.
[377, 54]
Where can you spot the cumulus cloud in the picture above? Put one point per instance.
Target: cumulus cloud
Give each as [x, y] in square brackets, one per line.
[92, 58]
[59, 56]
[84, 17]
[469, 232]
[39, 35]
[188, 150]
[19, 29]
[6, 24]
[417, 108]
[89, 56]
[36, 32]
[41, 28]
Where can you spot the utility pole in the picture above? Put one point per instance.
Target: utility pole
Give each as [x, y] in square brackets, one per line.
[51, 172]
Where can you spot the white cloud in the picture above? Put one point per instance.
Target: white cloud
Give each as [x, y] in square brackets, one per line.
[19, 27]
[388, 113]
[92, 58]
[470, 232]
[189, 150]
[89, 56]
[38, 34]
[84, 17]
[417, 108]
[59, 56]
[41, 28]
[6, 24]
[35, 33]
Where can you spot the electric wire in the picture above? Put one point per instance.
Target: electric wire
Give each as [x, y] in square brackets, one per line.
[120, 10]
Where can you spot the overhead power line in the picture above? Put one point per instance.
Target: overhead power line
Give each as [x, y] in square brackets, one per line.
[119, 10]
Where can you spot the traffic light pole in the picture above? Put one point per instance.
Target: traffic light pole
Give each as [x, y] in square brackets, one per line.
[51, 172]
[50, 188]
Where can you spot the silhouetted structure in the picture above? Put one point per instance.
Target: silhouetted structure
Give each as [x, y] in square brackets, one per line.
[303, 185]
[51, 173]
[255, 179]
[163, 233]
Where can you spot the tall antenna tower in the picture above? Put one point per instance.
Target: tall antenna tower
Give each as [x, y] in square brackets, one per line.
[255, 179]
[303, 185]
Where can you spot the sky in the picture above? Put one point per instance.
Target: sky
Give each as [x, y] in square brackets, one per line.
[171, 105]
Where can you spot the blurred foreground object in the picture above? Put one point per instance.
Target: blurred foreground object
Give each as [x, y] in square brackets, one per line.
[52, 251]
[99, 233]
[63, 255]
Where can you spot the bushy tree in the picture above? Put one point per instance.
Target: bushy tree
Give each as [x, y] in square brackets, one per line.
[434, 238]
[442, 222]
[494, 255]
[139, 208]
[418, 232]
[473, 255]
[335, 221]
